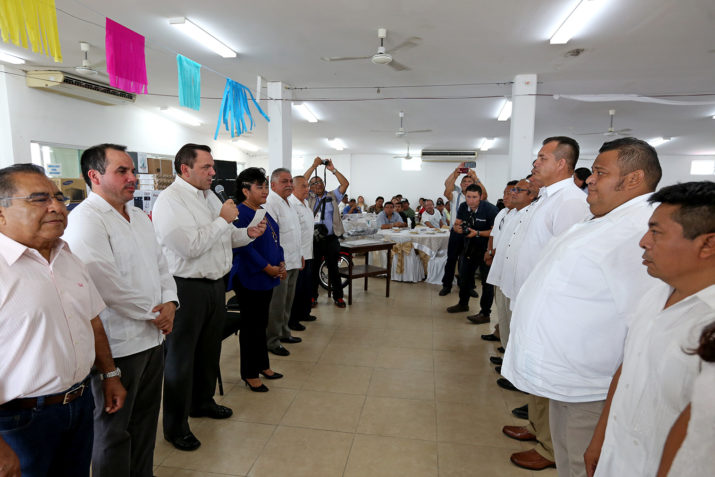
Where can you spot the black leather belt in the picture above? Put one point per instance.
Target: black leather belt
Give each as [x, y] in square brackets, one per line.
[60, 398]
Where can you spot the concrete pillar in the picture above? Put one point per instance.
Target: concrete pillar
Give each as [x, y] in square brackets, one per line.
[7, 155]
[280, 135]
[521, 134]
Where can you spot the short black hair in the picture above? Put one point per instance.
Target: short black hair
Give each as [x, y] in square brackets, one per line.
[389, 203]
[96, 158]
[696, 201]
[512, 183]
[7, 182]
[633, 155]
[187, 155]
[473, 188]
[582, 173]
[706, 348]
[380, 197]
[352, 200]
[247, 177]
[566, 148]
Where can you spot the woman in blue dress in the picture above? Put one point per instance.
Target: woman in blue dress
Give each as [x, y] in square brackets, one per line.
[257, 269]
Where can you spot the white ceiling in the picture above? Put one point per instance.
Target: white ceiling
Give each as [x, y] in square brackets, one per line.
[648, 47]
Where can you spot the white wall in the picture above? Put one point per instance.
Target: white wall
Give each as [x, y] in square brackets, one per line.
[675, 169]
[36, 115]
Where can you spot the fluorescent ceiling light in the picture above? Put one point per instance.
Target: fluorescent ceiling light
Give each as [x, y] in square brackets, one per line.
[305, 111]
[8, 58]
[658, 141]
[181, 116]
[202, 36]
[336, 143]
[505, 112]
[702, 167]
[245, 145]
[577, 19]
[487, 144]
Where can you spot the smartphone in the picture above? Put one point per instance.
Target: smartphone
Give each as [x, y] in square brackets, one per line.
[467, 165]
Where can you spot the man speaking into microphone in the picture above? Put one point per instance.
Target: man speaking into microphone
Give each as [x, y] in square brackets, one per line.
[196, 233]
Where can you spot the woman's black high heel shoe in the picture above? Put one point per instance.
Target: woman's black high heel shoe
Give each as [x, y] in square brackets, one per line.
[258, 389]
[271, 376]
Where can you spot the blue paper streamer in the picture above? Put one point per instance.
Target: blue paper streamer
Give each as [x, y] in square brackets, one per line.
[189, 82]
[234, 107]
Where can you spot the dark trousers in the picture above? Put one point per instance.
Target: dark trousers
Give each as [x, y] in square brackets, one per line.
[328, 248]
[252, 337]
[193, 350]
[454, 250]
[303, 292]
[124, 441]
[53, 440]
[467, 267]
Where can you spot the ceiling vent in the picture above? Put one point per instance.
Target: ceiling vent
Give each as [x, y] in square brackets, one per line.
[448, 155]
[80, 88]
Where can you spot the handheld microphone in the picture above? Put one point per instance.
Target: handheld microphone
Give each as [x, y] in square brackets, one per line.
[221, 193]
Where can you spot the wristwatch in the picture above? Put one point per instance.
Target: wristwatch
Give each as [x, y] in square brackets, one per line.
[117, 373]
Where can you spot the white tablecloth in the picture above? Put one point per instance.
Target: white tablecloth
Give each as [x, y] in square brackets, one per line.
[433, 244]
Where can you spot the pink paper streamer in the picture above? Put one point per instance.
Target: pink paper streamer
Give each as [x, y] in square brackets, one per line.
[126, 64]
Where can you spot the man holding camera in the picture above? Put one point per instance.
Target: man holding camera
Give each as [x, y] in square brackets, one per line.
[328, 226]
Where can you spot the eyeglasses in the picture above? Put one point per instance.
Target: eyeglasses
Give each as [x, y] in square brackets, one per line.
[42, 199]
[518, 189]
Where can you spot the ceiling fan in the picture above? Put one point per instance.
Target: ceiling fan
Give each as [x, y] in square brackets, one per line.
[610, 132]
[383, 56]
[407, 155]
[86, 68]
[401, 132]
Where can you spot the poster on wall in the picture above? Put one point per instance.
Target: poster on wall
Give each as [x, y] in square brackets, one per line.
[54, 170]
[141, 162]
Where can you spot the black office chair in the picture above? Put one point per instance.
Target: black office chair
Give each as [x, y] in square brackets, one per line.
[230, 327]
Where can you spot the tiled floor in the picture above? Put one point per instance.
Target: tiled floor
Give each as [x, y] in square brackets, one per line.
[387, 387]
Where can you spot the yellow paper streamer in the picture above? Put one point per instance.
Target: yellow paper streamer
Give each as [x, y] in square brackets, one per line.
[35, 20]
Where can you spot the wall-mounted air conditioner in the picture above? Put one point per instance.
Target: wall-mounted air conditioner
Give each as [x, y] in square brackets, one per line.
[448, 155]
[75, 87]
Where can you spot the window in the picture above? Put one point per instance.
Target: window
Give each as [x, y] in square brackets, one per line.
[702, 167]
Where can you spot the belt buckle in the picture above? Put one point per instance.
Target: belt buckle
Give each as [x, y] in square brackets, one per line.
[71, 393]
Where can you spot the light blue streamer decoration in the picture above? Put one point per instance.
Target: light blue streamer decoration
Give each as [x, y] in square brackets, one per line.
[189, 82]
[234, 107]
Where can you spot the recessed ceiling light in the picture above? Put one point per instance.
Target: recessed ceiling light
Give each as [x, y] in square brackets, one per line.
[305, 111]
[12, 59]
[486, 144]
[505, 112]
[181, 116]
[202, 36]
[336, 143]
[577, 19]
[658, 141]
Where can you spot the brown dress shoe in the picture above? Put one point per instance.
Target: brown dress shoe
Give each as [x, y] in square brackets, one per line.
[531, 460]
[519, 433]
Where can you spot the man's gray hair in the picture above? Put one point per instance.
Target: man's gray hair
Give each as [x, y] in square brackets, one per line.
[7, 179]
[278, 172]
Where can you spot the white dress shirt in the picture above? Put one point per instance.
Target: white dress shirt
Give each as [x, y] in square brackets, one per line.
[196, 241]
[569, 322]
[434, 219]
[128, 268]
[656, 380]
[456, 200]
[504, 225]
[290, 232]
[696, 456]
[45, 312]
[305, 217]
[509, 248]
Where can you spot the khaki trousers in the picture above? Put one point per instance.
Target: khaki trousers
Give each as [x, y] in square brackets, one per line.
[539, 426]
[502, 304]
[572, 426]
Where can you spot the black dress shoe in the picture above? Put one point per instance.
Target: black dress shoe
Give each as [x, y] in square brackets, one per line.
[215, 411]
[457, 308]
[271, 376]
[188, 442]
[279, 350]
[257, 389]
[506, 384]
[310, 318]
[479, 319]
[521, 412]
[496, 360]
[291, 339]
[501, 349]
[473, 294]
[296, 327]
[498, 369]
[445, 291]
[491, 337]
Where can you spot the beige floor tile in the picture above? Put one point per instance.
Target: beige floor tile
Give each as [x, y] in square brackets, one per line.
[472, 424]
[412, 419]
[405, 358]
[402, 383]
[462, 362]
[374, 456]
[227, 447]
[306, 351]
[463, 460]
[322, 410]
[349, 355]
[297, 452]
[264, 408]
[409, 337]
[469, 388]
[163, 471]
[366, 337]
[339, 379]
[294, 374]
